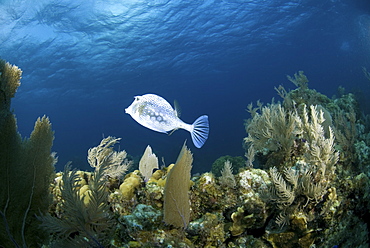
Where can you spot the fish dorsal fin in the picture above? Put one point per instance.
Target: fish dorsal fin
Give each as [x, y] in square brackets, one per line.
[177, 108]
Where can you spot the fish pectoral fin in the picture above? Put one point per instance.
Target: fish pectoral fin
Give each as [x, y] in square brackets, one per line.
[177, 109]
[172, 131]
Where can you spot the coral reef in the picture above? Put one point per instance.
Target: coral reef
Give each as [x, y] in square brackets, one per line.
[311, 187]
[237, 162]
[309, 165]
[227, 179]
[84, 218]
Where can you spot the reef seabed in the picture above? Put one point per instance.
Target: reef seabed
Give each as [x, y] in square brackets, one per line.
[305, 183]
[311, 188]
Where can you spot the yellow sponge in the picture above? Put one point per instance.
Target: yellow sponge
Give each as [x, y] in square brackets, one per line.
[129, 185]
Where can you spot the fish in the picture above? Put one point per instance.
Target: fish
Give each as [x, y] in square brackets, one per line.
[155, 113]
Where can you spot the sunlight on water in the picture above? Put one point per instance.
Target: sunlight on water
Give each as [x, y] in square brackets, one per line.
[364, 31]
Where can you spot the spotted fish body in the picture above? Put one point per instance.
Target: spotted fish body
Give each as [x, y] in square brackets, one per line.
[156, 113]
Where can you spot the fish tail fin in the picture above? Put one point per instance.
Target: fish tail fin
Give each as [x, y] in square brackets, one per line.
[199, 131]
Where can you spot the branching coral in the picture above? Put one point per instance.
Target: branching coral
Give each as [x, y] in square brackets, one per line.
[321, 154]
[237, 162]
[283, 193]
[81, 223]
[313, 165]
[280, 131]
[302, 94]
[348, 130]
[10, 76]
[85, 218]
[273, 130]
[287, 186]
[300, 80]
[296, 142]
[27, 168]
[115, 162]
[227, 178]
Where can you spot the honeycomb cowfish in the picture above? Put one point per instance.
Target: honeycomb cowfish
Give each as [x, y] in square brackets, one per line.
[156, 113]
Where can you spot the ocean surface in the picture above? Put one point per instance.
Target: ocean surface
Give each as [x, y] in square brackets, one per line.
[84, 61]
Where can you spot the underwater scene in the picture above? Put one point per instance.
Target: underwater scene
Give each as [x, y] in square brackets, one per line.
[164, 123]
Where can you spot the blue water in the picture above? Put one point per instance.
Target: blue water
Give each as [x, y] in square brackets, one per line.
[84, 61]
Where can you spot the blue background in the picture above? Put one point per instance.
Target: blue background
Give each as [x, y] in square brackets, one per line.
[84, 61]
